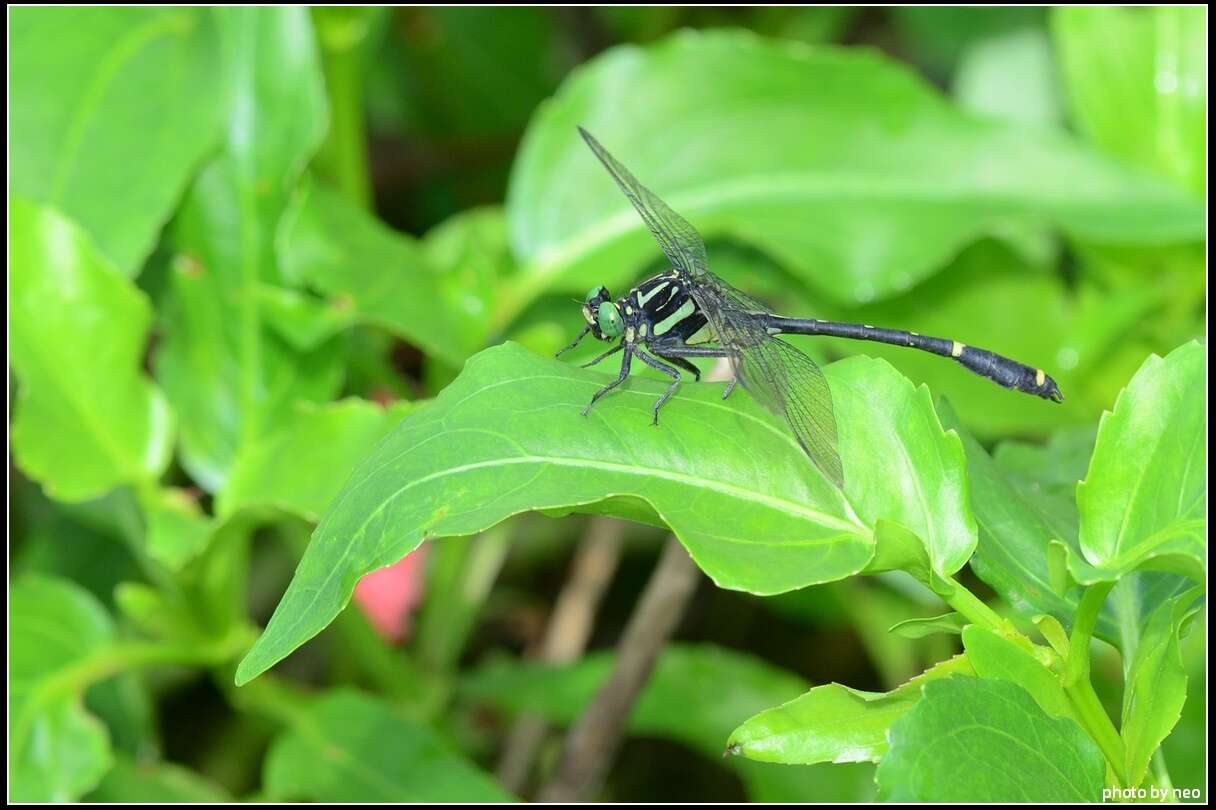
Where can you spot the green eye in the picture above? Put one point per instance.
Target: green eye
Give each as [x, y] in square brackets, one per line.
[609, 319]
[591, 296]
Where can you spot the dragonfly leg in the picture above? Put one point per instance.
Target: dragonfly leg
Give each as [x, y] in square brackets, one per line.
[575, 342]
[605, 355]
[677, 351]
[623, 376]
[682, 363]
[674, 373]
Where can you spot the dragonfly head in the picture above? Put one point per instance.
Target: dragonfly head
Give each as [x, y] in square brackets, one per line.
[602, 314]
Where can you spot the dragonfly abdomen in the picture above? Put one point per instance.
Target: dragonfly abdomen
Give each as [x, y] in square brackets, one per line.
[1001, 370]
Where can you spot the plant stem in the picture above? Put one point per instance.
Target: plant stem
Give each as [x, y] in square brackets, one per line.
[592, 742]
[343, 155]
[974, 608]
[569, 628]
[1080, 690]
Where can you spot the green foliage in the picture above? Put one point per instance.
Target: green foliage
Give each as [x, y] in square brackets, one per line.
[57, 750]
[1150, 514]
[530, 448]
[834, 723]
[159, 783]
[274, 267]
[99, 115]
[845, 167]
[350, 747]
[88, 420]
[695, 695]
[1012, 749]
[1137, 83]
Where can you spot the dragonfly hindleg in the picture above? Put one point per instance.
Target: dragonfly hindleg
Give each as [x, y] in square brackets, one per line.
[682, 363]
[674, 373]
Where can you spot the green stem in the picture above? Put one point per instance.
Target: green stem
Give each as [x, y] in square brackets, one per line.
[1161, 774]
[137, 654]
[974, 608]
[1080, 690]
[343, 156]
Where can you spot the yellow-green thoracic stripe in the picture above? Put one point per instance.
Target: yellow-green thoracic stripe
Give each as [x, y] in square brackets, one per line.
[655, 290]
[665, 325]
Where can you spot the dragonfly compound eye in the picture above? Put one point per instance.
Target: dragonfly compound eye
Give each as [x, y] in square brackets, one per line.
[608, 318]
[596, 294]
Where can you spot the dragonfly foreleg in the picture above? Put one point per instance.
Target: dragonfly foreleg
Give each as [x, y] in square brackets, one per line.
[575, 342]
[623, 376]
[605, 355]
[674, 373]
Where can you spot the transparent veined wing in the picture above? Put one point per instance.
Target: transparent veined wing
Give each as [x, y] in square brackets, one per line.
[779, 376]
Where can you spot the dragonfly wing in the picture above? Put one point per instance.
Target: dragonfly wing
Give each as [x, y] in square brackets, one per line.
[679, 240]
[782, 378]
[792, 386]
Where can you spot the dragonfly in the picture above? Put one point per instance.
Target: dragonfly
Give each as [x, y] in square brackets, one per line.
[686, 312]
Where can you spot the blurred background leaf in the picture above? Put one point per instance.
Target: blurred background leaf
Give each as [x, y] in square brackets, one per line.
[300, 222]
[57, 749]
[1137, 84]
[101, 124]
[87, 418]
[348, 746]
[223, 372]
[841, 185]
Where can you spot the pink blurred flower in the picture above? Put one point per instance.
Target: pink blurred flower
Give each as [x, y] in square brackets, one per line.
[389, 596]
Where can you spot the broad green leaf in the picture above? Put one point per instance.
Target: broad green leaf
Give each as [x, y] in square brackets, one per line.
[1143, 501]
[383, 277]
[952, 623]
[994, 656]
[695, 695]
[87, 419]
[470, 253]
[111, 111]
[226, 374]
[57, 750]
[1051, 468]
[1137, 83]
[1015, 527]
[1185, 750]
[130, 781]
[177, 529]
[922, 465]
[352, 747]
[1156, 682]
[986, 740]
[842, 164]
[833, 723]
[508, 436]
[301, 465]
